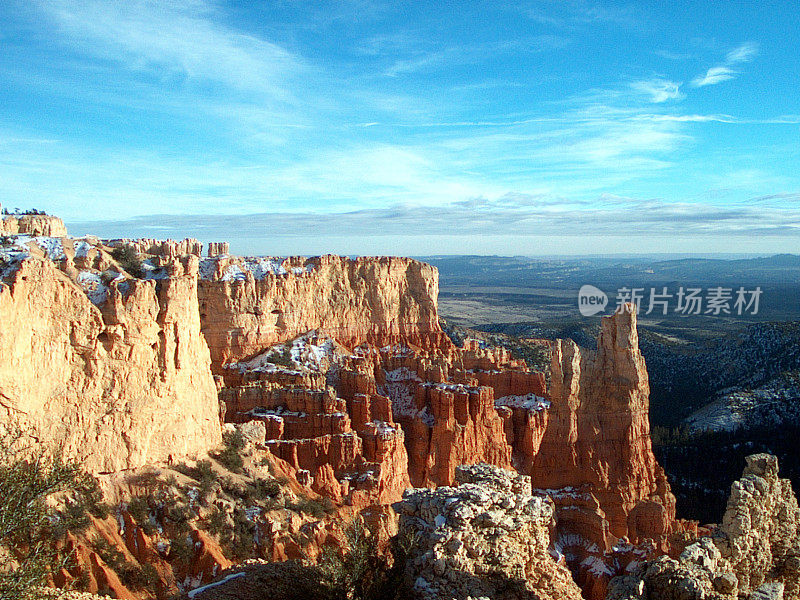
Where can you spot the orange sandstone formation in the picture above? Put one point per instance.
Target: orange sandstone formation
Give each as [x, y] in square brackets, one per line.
[37, 225]
[248, 305]
[118, 385]
[336, 366]
[598, 433]
[596, 461]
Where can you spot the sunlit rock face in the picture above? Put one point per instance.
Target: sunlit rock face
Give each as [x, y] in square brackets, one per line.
[247, 305]
[111, 369]
[598, 434]
[34, 225]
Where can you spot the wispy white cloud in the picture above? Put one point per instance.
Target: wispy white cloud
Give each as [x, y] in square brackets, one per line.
[172, 39]
[571, 13]
[387, 43]
[744, 53]
[421, 62]
[420, 58]
[718, 118]
[714, 76]
[298, 138]
[658, 89]
[724, 72]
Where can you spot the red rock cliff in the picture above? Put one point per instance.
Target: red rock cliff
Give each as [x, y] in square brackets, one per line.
[598, 433]
[247, 305]
[118, 386]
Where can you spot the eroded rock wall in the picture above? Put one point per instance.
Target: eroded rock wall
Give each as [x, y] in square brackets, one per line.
[598, 434]
[118, 386]
[248, 305]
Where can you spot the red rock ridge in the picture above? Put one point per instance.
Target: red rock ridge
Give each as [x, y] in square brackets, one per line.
[597, 455]
[246, 306]
[116, 387]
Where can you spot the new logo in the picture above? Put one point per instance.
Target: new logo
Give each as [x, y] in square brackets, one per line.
[591, 300]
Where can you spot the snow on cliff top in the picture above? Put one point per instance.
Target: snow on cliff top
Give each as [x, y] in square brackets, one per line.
[313, 351]
[532, 402]
[52, 247]
[258, 266]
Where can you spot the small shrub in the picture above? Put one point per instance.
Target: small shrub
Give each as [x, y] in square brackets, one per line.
[315, 508]
[206, 477]
[234, 440]
[231, 454]
[73, 518]
[185, 469]
[243, 536]
[137, 577]
[203, 472]
[181, 549]
[27, 476]
[87, 500]
[82, 582]
[128, 259]
[110, 555]
[232, 487]
[216, 521]
[264, 488]
[282, 357]
[139, 509]
[361, 574]
[180, 514]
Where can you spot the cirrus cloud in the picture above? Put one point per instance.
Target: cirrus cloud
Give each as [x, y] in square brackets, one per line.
[724, 72]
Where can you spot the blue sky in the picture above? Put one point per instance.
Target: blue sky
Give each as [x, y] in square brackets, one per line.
[550, 127]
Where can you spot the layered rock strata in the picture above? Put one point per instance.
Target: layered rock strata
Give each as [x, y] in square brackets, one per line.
[447, 402]
[610, 514]
[598, 433]
[325, 407]
[250, 304]
[760, 531]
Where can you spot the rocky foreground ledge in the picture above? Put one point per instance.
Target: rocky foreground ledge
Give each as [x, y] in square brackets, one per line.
[753, 554]
[489, 537]
[482, 539]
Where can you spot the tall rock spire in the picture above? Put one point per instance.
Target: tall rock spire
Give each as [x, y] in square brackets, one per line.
[598, 435]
